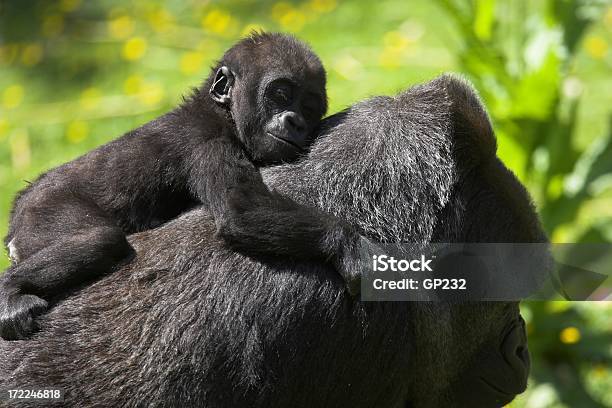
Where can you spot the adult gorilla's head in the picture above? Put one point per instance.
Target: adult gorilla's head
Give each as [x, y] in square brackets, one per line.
[422, 167]
[188, 322]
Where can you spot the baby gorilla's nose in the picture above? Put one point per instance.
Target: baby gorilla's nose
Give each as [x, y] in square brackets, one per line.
[295, 127]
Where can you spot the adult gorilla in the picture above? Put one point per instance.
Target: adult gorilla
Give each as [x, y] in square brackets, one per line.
[189, 323]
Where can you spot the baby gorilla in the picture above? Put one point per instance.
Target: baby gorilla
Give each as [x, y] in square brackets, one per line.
[259, 106]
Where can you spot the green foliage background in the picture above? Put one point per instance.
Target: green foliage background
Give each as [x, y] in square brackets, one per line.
[75, 74]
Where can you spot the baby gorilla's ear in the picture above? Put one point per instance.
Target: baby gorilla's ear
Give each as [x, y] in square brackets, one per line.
[221, 89]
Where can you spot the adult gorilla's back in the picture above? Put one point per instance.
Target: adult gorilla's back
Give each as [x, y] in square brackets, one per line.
[189, 323]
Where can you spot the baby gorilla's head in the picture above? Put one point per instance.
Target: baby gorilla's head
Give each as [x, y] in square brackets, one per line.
[274, 87]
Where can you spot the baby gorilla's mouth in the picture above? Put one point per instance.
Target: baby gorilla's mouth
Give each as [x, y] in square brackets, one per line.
[289, 142]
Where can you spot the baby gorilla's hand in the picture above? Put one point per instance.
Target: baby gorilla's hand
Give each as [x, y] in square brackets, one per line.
[252, 222]
[18, 313]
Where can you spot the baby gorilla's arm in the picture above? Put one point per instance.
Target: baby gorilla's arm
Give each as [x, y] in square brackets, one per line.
[256, 221]
[266, 224]
[216, 170]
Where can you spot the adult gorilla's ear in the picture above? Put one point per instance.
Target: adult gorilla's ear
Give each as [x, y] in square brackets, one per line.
[221, 89]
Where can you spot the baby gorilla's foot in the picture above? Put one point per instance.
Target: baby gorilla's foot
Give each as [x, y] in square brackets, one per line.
[18, 313]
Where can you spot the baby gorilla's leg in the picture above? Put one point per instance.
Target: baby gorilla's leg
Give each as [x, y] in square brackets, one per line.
[54, 270]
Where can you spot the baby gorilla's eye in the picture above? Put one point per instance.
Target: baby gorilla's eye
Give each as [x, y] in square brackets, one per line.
[282, 95]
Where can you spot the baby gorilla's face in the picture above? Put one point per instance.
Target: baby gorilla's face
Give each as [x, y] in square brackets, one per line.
[276, 112]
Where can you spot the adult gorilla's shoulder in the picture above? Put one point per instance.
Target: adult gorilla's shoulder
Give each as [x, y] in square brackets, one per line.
[189, 323]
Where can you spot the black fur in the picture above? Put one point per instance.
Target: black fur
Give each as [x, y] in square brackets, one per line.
[189, 323]
[259, 106]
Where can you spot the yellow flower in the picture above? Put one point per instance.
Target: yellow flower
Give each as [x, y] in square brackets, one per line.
[12, 96]
[52, 25]
[132, 84]
[596, 47]
[279, 10]
[293, 21]
[77, 131]
[323, 6]
[217, 21]
[4, 126]
[396, 41]
[570, 335]
[160, 20]
[90, 98]
[388, 59]
[289, 18]
[134, 48]
[191, 62]
[151, 94]
[32, 54]
[395, 46]
[20, 149]
[121, 27]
